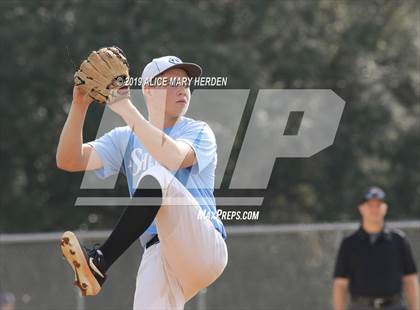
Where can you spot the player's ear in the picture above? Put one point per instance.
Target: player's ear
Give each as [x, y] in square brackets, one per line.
[146, 90]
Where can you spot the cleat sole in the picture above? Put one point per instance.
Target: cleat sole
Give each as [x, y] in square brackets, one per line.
[74, 254]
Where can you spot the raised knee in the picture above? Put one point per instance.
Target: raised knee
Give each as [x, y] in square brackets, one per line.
[161, 174]
[210, 271]
[219, 265]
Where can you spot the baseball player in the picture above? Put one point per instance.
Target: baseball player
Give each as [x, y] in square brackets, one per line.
[184, 250]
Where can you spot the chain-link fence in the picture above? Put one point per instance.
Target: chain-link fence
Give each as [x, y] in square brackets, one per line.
[270, 267]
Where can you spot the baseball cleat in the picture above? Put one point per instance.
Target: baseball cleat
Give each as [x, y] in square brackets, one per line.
[87, 264]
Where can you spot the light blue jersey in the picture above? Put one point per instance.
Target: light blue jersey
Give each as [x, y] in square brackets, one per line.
[121, 146]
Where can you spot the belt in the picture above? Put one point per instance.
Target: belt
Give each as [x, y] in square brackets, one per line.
[376, 303]
[152, 241]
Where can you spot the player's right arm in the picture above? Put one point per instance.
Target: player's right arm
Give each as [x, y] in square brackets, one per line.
[72, 154]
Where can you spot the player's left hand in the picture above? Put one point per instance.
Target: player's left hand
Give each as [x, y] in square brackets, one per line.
[103, 74]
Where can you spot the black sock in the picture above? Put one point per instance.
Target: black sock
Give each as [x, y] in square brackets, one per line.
[132, 224]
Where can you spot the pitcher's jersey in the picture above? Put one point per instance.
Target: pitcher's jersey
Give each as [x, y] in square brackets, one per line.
[120, 149]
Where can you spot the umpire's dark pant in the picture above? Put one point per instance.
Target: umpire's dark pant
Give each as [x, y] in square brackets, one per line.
[354, 306]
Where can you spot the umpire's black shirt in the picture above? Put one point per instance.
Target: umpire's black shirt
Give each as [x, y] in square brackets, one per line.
[375, 267]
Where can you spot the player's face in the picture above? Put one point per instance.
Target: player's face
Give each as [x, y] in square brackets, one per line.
[177, 94]
[373, 210]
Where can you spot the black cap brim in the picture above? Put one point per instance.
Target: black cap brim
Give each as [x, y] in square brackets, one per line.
[193, 70]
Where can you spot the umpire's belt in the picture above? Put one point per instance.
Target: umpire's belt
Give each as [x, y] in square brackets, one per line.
[376, 303]
[152, 241]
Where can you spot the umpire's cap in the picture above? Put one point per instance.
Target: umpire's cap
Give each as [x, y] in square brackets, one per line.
[374, 192]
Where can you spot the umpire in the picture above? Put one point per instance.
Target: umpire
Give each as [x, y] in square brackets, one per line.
[375, 263]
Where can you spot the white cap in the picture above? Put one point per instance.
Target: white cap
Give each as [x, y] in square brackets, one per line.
[159, 65]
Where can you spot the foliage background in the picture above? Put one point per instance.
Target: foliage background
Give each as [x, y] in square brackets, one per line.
[366, 51]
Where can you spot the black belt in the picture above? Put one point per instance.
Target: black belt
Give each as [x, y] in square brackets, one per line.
[375, 302]
[152, 241]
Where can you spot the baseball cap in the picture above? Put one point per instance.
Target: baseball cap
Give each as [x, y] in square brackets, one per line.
[374, 192]
[159, 65]
[7, 298]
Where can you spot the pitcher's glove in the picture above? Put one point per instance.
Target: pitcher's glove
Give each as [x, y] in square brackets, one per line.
[104, 75]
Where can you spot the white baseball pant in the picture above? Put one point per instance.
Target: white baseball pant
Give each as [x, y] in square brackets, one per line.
[191, 253]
